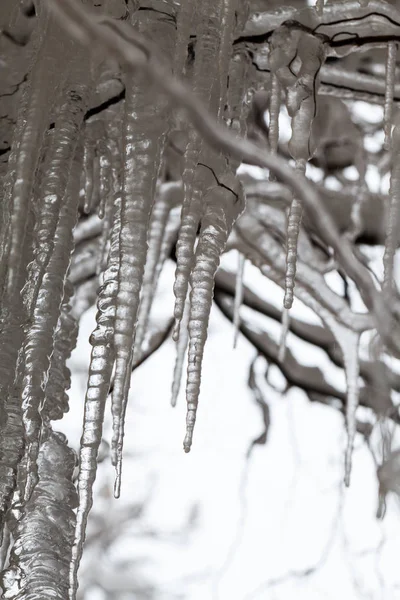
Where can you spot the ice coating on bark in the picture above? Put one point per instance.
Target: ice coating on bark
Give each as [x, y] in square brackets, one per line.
[392, 221]
[145, 129]
[100, 369]
[389, 90]
[224, 203]
[39, 559]
[238, 297]
[205, 80]
[39, 339]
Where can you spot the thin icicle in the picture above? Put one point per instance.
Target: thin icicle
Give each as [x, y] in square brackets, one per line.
[113, 151]
[39, 340]
[223, 206]
[146, 127]
[100, 369]
[392, 226]
[287, 45]
[57, 168]
[205, 82]
[238, 297]
[274, 111]
[349, 345]
[181, 347]
[293, 229]
[105, 182]
[389, 91]
[158, 222]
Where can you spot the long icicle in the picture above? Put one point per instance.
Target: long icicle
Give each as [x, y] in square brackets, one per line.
[389, 91]
[100, 370]
[144, 141]
[349, 344]
[223, 206]
[46, 76]
[159, 217]
[40, 335]
[274, 111]
[205, 77]
[58, 164]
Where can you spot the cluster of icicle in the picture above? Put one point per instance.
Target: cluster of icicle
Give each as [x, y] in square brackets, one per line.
[67, 160]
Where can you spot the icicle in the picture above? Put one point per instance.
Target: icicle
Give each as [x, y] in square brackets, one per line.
[158, 223]
[38, 344]
[238, 297]
[393, 213]
[349, 345]
[223, 206]
[146, 127]
[46, 75]
[100, 369]
[274, 110]
[181, 346]
[59, 379]
[57, 168]
[43, 535]
[205, 78]
[319, 6]
[287, 45]
[389, 91]
[95, 199]
[293, 229]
